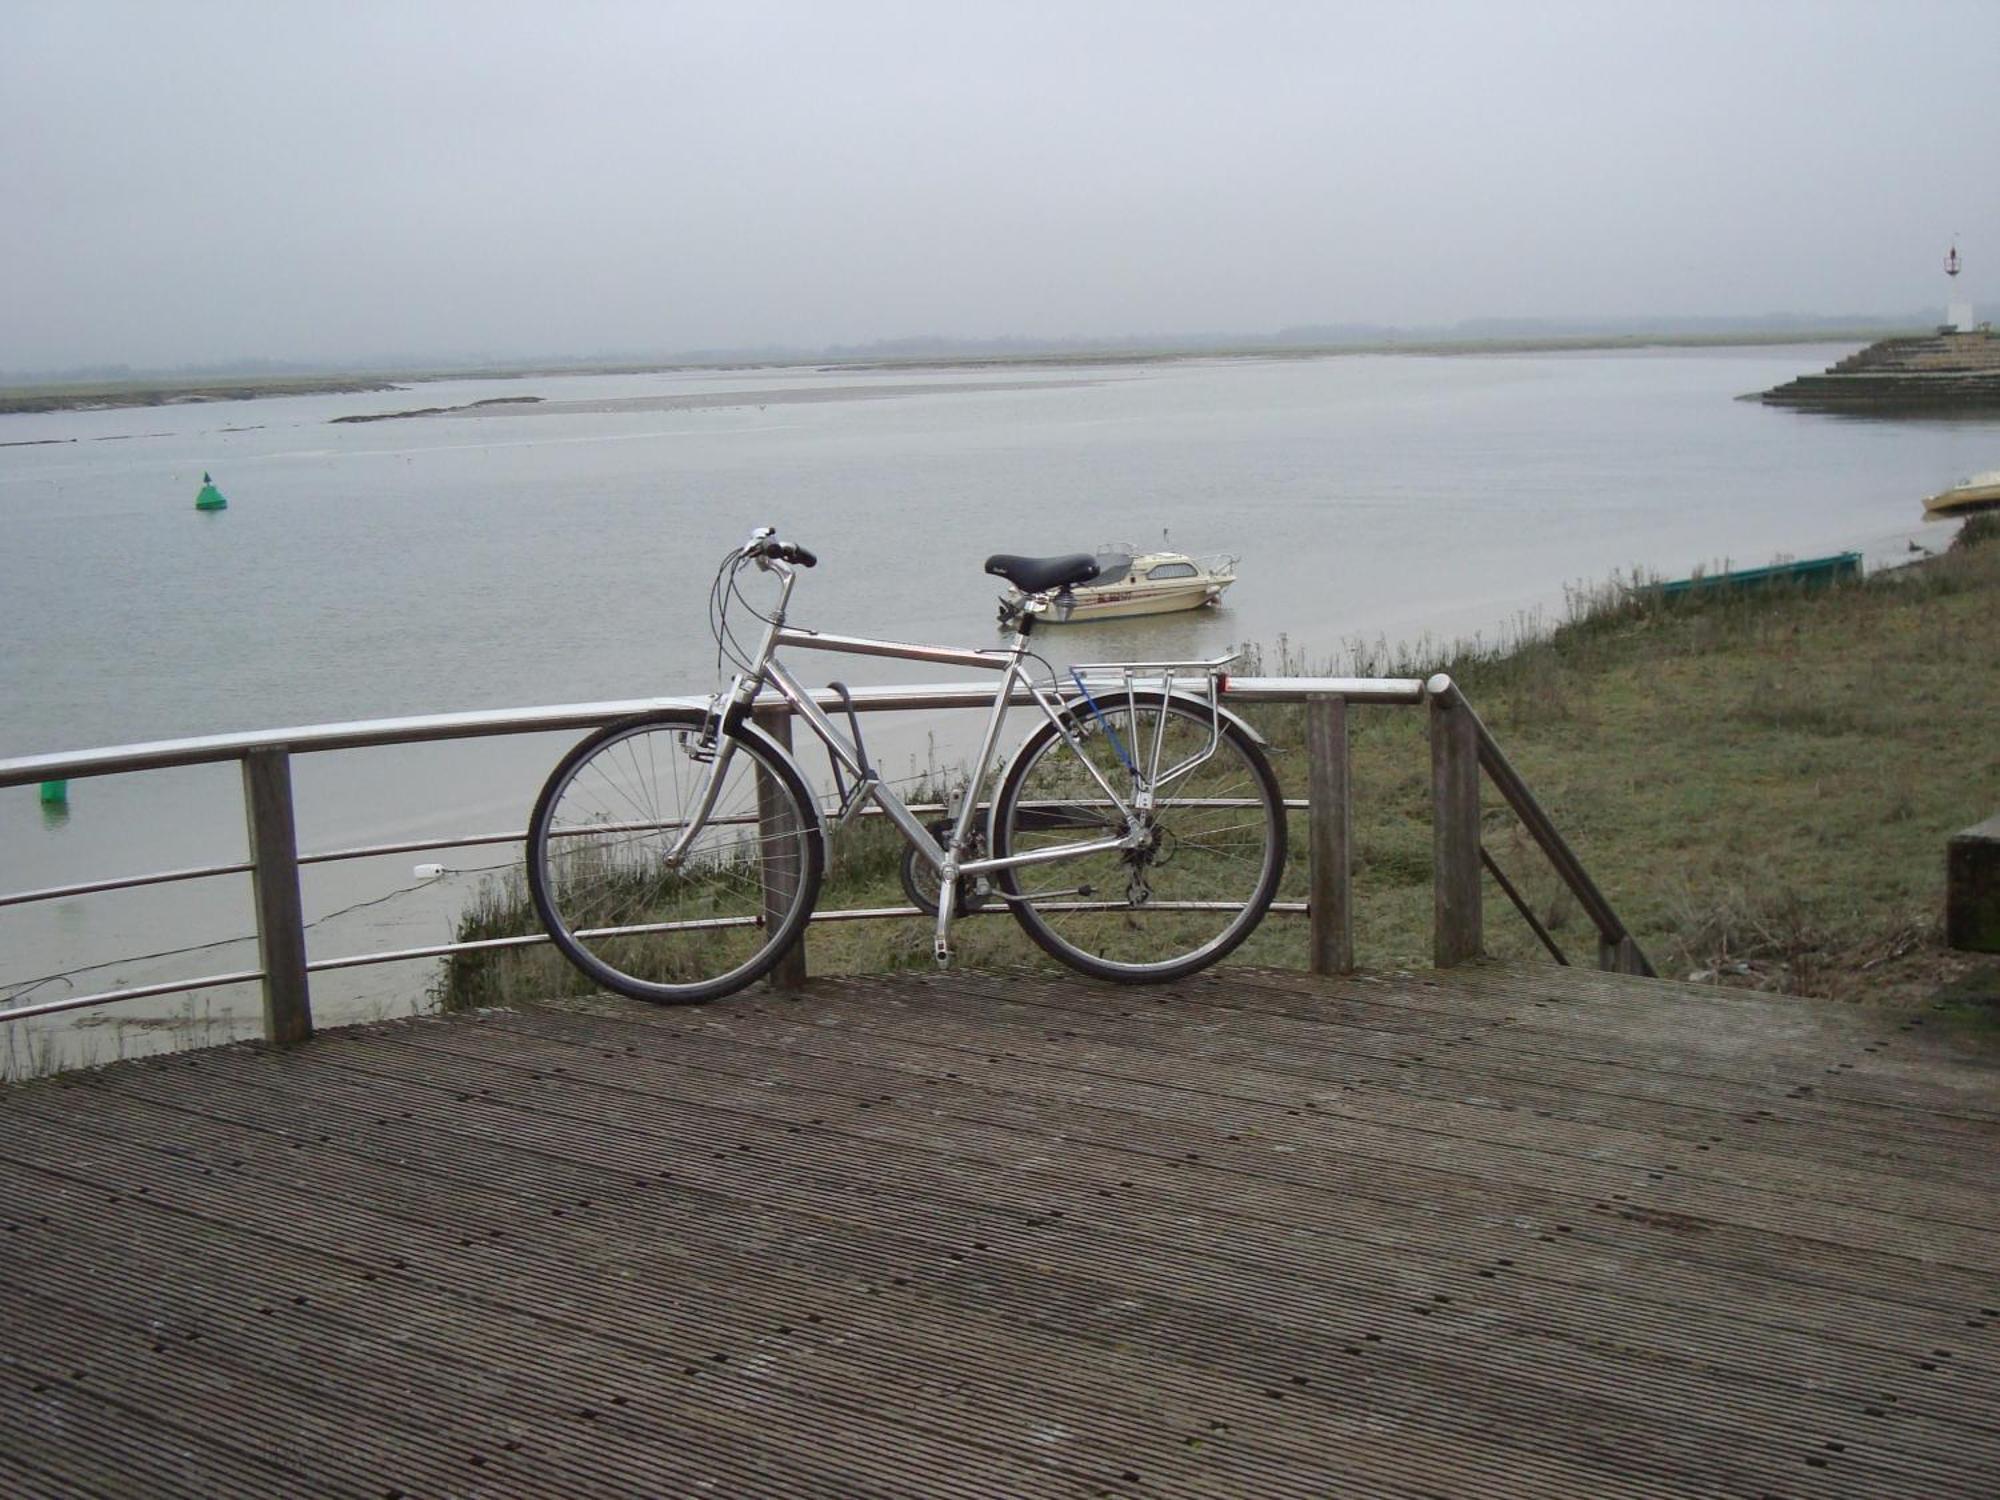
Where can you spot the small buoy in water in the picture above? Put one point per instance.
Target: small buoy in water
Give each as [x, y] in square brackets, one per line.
[55, 794]
[210, 497]
[428, 872]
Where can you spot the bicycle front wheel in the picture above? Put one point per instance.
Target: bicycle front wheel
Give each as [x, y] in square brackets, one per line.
[700, 928]
[1205, 870]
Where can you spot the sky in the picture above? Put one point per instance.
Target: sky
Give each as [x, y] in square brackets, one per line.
[190, 182]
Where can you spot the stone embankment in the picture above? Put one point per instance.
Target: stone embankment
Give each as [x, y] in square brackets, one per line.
[1940, 372]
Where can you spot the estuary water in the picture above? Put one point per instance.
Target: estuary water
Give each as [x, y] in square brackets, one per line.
[560, 551]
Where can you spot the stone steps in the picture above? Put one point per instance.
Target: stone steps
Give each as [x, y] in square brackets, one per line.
[1935, 372]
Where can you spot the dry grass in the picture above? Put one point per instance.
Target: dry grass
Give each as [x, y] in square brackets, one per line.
[1763, 785]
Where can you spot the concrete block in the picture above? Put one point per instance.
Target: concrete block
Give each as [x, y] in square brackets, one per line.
[1972, 888]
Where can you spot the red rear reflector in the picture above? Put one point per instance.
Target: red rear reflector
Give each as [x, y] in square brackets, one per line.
[1222, 682]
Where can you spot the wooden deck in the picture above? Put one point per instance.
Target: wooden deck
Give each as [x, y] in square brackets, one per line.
[1481, 1233]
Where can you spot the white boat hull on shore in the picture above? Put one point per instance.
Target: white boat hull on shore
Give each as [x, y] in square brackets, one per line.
[1980, 492]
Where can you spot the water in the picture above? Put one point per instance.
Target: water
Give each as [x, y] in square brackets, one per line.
[518, 556]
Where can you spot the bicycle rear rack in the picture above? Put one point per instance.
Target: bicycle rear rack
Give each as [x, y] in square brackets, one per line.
[1201, 681]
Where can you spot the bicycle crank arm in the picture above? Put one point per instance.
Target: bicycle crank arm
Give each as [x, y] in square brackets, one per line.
[947, 886]
[1082, 890]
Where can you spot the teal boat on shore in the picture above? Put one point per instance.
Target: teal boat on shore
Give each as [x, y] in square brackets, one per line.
[1811, 573]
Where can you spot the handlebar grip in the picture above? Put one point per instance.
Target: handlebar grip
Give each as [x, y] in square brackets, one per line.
[764, 543]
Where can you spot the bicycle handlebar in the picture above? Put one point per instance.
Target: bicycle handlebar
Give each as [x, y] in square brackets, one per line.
[764, 543]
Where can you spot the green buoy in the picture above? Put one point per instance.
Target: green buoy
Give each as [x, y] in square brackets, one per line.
[210, 497]
[55, 794]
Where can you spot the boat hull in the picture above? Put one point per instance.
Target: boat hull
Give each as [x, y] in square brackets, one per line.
[1964, 500]
[1814, 572]
[1122, 603]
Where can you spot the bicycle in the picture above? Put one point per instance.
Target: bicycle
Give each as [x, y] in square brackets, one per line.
[1137, 834]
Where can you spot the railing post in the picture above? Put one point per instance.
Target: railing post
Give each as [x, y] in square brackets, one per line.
[774, 821]
[1330, 899]
[1622, 957]
[1456, 933]
[274, 878]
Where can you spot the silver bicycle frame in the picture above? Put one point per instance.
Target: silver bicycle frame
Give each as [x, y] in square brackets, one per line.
[1007, 660]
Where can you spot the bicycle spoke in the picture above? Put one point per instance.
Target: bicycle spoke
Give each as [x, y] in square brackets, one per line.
[599, 848]
[1201, 867]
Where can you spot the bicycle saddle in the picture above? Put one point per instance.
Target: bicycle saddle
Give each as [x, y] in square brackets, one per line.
[1038, 575]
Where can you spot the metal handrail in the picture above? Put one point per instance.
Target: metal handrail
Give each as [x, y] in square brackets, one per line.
[275, 860]
[365, 733]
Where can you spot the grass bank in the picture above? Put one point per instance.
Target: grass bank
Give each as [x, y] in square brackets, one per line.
[1761, 783]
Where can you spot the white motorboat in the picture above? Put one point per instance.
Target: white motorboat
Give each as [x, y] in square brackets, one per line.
[1131, 582]
[1980, 492]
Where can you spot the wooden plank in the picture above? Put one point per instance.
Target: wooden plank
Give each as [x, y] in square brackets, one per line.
[685, 1285]
[774, 817]
[1330, 896]
[961, 1234]
[1457, 934]
[274, 879]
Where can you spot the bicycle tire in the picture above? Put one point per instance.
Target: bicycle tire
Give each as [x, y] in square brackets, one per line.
[612, 807]
[1159, 913]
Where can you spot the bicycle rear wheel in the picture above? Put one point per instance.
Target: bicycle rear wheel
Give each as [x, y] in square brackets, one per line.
[1197, 886]
[597, 843]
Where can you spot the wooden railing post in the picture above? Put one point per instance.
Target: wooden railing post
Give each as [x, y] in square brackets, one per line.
[1456, 931]
[1623, 957]
[274, 878]
[774, 821]
[1330, 899]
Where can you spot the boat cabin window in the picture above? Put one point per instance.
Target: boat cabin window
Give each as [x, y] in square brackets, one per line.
[1173, 570]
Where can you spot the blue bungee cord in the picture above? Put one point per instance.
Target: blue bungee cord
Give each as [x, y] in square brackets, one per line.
[1098, 713]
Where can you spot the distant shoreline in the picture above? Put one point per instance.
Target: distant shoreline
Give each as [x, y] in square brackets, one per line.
[121, 395]
[439, 411]
[161, 391]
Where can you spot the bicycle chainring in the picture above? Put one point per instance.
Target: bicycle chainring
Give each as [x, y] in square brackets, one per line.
[920, 881]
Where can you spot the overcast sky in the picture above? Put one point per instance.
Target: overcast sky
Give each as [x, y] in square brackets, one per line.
[187, 182]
